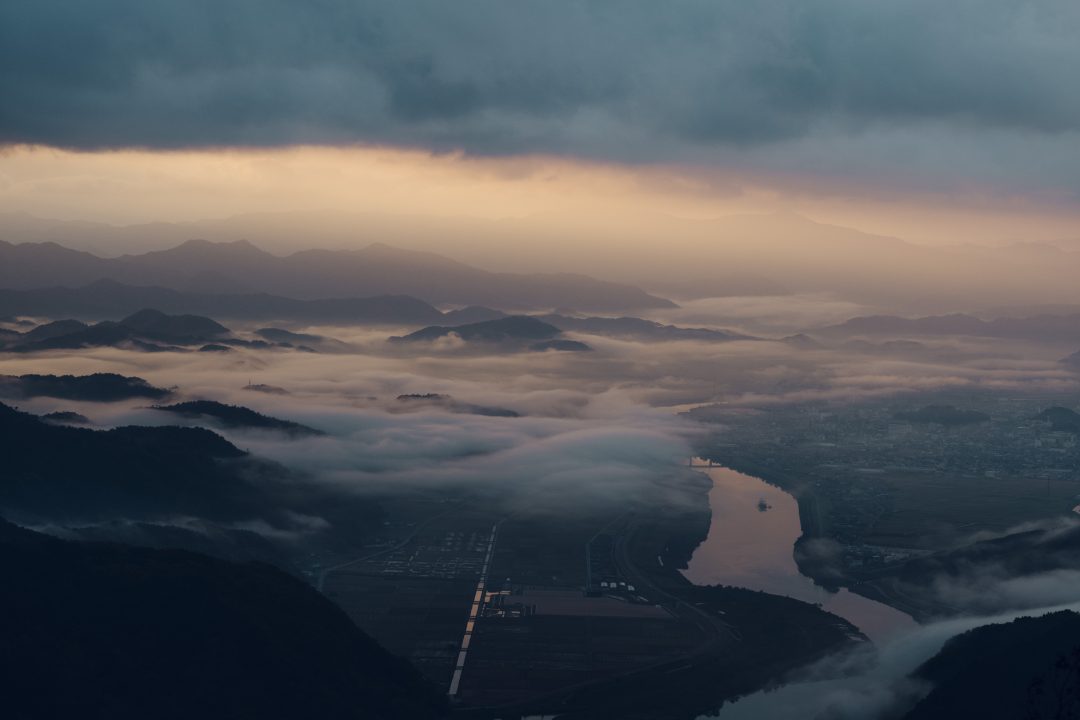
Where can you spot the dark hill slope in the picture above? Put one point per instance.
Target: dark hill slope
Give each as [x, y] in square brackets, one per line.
[61, 473]
[51, 330]
[111, 631]
[1028, 669]
[1061, 419]
[74, 477]
[976, 569]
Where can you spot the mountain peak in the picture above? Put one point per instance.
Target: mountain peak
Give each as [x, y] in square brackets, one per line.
[173, 327]
[203, 244]
[144, 316]
[197, 249]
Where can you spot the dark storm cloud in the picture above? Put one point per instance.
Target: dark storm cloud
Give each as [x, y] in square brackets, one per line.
[628, 80]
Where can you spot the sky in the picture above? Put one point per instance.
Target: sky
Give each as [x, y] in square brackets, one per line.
[937, 122]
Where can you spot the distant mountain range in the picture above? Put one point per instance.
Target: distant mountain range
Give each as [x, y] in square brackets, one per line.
[108, 299]
[544, 330]
[301, 340]
[748, 254]
[632, 328]
[517, 332]
[1037, 327]
[102, 630]
[241, 268]
[153, 331]
[150, 330]
[144, 330]
[98, 387]
[517, 327]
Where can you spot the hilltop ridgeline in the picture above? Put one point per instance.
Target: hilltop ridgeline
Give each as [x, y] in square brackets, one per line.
[96, 630]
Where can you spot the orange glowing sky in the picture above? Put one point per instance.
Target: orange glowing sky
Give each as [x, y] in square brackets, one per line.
[134, 186]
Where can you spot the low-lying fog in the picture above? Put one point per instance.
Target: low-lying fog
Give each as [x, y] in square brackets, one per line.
[590, 427]
[868, 683]
[609, 413]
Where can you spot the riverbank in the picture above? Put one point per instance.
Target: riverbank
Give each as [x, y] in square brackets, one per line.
[743, 640]
[815, 552]
[754, 538]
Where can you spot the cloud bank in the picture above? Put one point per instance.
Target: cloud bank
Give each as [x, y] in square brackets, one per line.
[980, 82]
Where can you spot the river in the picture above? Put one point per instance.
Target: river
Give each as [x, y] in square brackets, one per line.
[752, 548]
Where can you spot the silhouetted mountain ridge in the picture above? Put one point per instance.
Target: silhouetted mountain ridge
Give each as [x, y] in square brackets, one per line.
[185, 476]
[65, 473]
[1036, 327]
[288, 338]
[109, 299]
[236, 416]
[55, 329]
[98, 631]
[231, 267]
[97, 387]
[513, 329]
[1061, 419]
[173, 328]
[510, 334]
[144, 330]
[638, 329]
[1028, 668]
